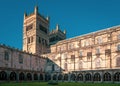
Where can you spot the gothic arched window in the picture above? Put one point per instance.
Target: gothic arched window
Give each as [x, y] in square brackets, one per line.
[65, 66]
[80, 65]
[6, 56]
[20, 59]
[99, 40]
[118, 62]
[98, 62]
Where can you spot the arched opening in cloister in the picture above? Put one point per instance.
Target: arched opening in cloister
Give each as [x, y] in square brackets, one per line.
[97, 77]
[13, 76]
[88, 77]
[80, 77]
[117, 76]
[107, 77]
[3, 75]
[29, 76]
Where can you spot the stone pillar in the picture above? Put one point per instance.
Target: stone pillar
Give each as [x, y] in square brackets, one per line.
[69, 75]
[102, 76]
[32, 76]
[43, 76]
[17, 76]
[92, 77]
[39, 77]
[8, 75]
[57, 76]
[112, 76]
[25, 76]
[84, 77]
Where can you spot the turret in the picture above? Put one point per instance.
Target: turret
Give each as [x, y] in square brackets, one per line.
[36, 10]
[57, 27]
[25, 15]
[64, 31]
[48, 18]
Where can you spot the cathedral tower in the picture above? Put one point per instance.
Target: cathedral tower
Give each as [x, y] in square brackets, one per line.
[35, 33]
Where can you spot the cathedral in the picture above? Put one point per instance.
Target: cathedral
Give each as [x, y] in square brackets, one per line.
[48, 55]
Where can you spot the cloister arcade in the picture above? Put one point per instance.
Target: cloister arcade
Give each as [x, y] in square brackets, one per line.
[81, 76]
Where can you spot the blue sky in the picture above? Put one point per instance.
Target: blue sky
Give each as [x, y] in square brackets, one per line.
[76, 16]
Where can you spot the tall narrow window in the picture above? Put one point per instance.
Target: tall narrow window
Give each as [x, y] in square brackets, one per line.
[29, 27]
[39, 40]
[98, 63]
[118, 62]
[20, 59]
[43, 29]
[6, 56]
[28, 40]
[65, 66]
[53, 67]
[84, 43]
[81, 54]
[32, 39]
[99, 40]
[72, 57]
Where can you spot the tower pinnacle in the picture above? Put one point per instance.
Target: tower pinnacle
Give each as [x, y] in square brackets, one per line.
[36, 10]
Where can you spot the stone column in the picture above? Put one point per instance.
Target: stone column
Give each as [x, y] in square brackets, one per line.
[69, 75]
[8, 75]
[32, 76]
[84, 77]
[17, 76]
[92, 77]
[112, 76]
[25, 76]
[102, 76]
[39, 77]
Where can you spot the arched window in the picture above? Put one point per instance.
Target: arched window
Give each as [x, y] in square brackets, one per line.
[35, 76]
[117, 76]
[97, 77]
[20, 59]
[13, 76]
[3, 75]
[80, 65]
[66, 77]
[80, 77]
[98, 62]
[88, 77]
[54, 77]
[29, 76]
[99, 40]
[65, 66]
[53, 67]
[21, 76]
[6, 56]
[118, 62]
[107, 76]
[60, 77]
[41, 76]
[72, 77]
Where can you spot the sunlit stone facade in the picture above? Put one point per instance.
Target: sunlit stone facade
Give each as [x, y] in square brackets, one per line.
[97, 50]
[91, 57]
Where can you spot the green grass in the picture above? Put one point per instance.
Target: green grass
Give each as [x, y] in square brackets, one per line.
[59, 84]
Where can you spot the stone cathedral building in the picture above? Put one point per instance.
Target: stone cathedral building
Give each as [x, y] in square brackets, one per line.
[48, 55]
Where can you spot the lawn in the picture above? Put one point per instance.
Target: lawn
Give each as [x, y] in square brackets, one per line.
[59, 84]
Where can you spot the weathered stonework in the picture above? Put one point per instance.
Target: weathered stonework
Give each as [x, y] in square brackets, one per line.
[91, 57]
